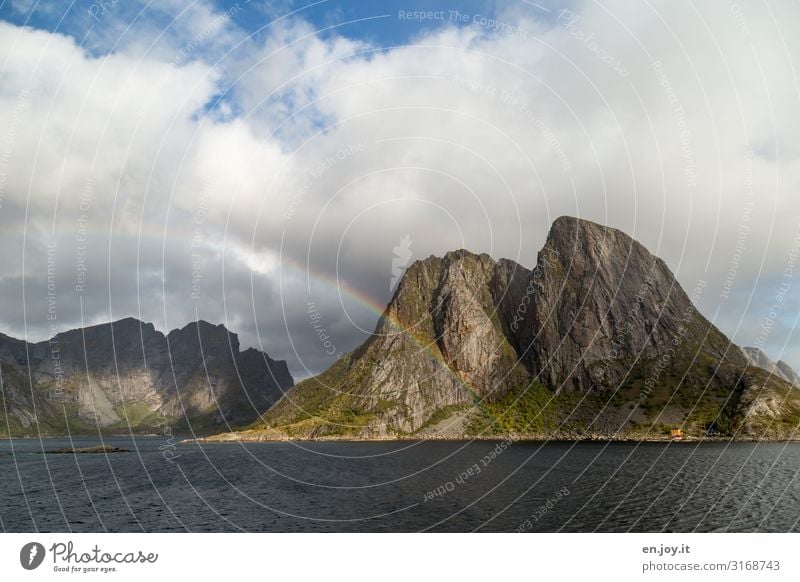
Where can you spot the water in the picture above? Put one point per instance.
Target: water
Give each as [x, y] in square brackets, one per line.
[388, 487]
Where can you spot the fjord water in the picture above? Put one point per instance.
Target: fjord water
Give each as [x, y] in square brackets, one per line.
[389, 486]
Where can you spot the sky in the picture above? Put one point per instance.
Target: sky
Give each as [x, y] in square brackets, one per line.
[274, 166]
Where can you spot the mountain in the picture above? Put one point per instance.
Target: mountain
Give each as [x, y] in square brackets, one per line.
[598, 341]
[780, 368]
[126, 376]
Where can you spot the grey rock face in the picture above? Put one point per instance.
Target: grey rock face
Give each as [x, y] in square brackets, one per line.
[599, 317]
[127, 375]
[605, 304]
[781, 369]
[441, 341]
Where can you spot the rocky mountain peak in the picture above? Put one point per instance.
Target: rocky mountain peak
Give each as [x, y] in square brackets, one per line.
[758, 358]
[599, 336]
[205, 334]
[600, 296]
[126, 373]
[594, 248]
[460, 255]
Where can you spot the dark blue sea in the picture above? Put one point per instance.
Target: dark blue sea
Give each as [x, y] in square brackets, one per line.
[399, 487]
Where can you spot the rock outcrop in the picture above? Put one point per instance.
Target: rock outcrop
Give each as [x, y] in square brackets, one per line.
[598, 341]
[127, 376]
[780, 368]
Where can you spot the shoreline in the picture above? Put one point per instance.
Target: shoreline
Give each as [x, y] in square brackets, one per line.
[231, 438]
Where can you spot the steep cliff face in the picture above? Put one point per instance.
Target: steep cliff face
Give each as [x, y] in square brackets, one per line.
[442, 343]
[603, 302]
[128, 376]
[598, 340]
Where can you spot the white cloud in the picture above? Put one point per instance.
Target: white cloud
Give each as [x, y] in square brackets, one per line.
[466, 138]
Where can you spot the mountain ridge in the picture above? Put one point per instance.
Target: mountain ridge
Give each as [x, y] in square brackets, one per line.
[127, 376]
[597, 341]
[758, 358]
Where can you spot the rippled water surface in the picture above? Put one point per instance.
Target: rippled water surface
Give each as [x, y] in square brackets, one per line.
[406, 486]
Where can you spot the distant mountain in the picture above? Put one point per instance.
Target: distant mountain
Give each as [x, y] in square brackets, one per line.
[780, 368]
[598, 341]
[126, 376]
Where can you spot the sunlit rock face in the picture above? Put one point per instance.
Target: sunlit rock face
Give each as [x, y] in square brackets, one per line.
[126, 375]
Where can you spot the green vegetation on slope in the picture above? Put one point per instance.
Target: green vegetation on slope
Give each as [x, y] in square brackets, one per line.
[533, 409]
